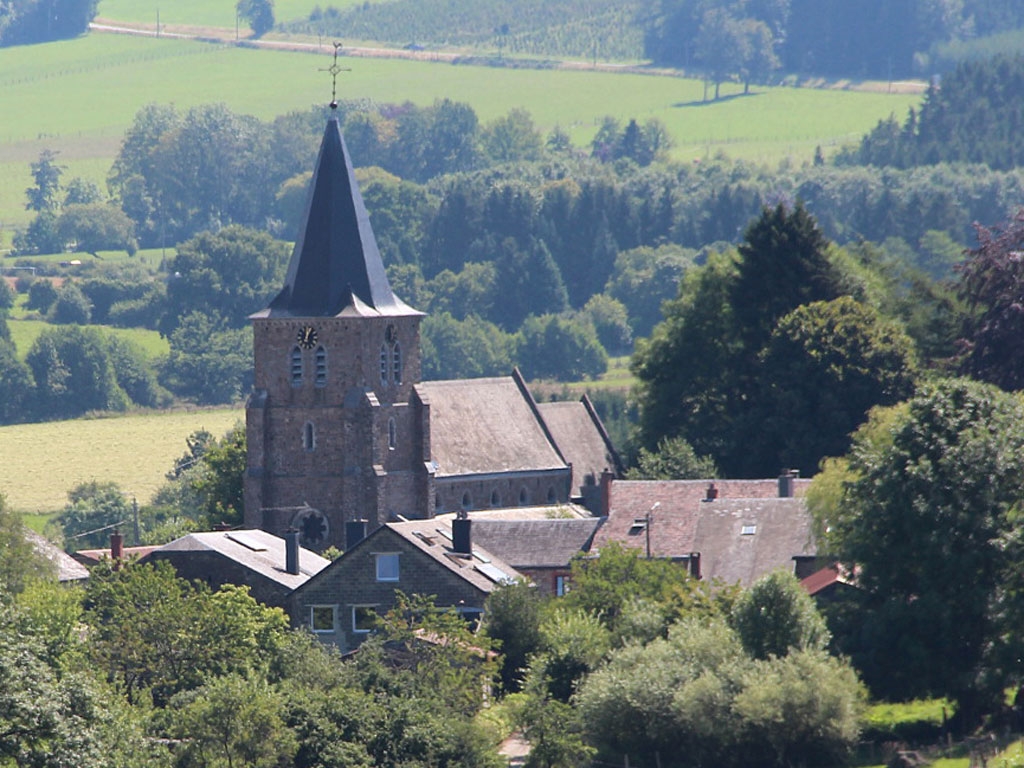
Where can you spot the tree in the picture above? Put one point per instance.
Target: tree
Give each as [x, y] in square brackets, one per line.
[674, 459]
[644, 278]
[941, 477]
[826, 365]
[16, 384]
[990, 283]
[776, 616]
[71, 306]
[21, 564]
[512, 138]
[471, 348]
[7, 296]
[231, 273]
[512, 616]
[722, 46]
[206, 363]
[560, 348]
[73, 373]
[42, 196]
[258, 13]
[97, 227]
[93, 511]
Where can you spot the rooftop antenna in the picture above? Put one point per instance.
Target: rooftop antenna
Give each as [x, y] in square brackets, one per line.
[334, 69]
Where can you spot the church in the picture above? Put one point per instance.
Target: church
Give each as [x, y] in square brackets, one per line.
[343, 436]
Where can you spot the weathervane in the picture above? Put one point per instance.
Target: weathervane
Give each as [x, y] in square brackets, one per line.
[334, 69]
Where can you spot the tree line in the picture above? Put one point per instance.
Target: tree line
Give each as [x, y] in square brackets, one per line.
[36, 21]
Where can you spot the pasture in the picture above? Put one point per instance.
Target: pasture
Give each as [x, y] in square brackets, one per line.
[39, 463]
[78, 97]
[205, 13]
[25, 332]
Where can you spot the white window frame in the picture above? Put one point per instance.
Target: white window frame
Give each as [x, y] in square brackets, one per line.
[355, 627]
[334, 619]
[385, 557]
[562, 585]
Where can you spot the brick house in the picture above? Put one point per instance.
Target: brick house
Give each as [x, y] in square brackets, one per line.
[339, 426]
[430, 557]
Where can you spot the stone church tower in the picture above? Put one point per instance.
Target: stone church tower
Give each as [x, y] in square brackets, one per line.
[331, 435]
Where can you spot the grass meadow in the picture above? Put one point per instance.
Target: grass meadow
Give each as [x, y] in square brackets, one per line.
[77, 97]
[206, 13]
[25, 332]
[39, 463]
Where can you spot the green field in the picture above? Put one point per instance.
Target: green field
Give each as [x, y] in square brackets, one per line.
[79, 96]
[42, 461]
[207, 13]
[25, 332]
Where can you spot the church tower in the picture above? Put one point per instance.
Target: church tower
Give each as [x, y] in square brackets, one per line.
[331, 435]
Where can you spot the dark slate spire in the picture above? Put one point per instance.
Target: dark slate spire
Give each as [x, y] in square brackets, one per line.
[336, 268]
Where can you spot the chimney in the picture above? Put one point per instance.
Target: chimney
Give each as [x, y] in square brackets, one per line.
[712, 493]
[787, 483]
[116, 545]
[462, 536]
[606, 492]
[355, 531]
[291, 551]
[694, 564]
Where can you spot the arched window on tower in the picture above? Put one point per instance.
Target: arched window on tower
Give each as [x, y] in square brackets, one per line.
[321, 367]
[392, 435]
[308, 437]
[396, 361]
[296, 366]
[383, 363]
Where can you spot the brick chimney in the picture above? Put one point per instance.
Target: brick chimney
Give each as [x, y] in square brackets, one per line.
[712, 493]
[462, 534]
[116, 545]
[787, 483]
[291, 552]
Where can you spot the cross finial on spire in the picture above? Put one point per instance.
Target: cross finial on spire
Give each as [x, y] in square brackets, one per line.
[334, 69]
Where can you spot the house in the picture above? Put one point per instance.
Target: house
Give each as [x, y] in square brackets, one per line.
[117, 551]
[541, 550]
[431, 557]
[270, 566]
[735, 531]
[69, 570]
[339, 426]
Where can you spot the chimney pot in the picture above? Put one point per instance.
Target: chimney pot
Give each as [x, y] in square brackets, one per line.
[787, 483]
[712, 492]
[462, 535]
[291, 552]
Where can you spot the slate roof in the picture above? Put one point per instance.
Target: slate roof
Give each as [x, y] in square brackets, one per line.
[336, 267]
[257, 550]
[741, 540]
[536, 543]
[68, 569]
[684, 522]
[484, 570]
[93, 556]
[482, 426]
[581, 439]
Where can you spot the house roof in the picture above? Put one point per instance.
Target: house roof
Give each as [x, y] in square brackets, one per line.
[482, 569]
[256, 550]
[481, 426]
[581, 439]
[336, 267]
[536, 543]
[741, 540]
[683, 521]
[829, 576]
[68, 569]
[93, 556]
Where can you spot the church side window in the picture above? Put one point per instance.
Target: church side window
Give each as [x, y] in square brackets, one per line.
[396, 361]
[308, 436]
[296, 366]
[392, 435]
[383, 364]
[321, 367]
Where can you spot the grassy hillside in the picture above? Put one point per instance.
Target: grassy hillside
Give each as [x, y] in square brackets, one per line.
[209, 13]
[79, 96]
[42, 461]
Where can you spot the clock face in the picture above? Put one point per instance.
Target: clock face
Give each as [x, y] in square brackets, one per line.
[307, 337]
